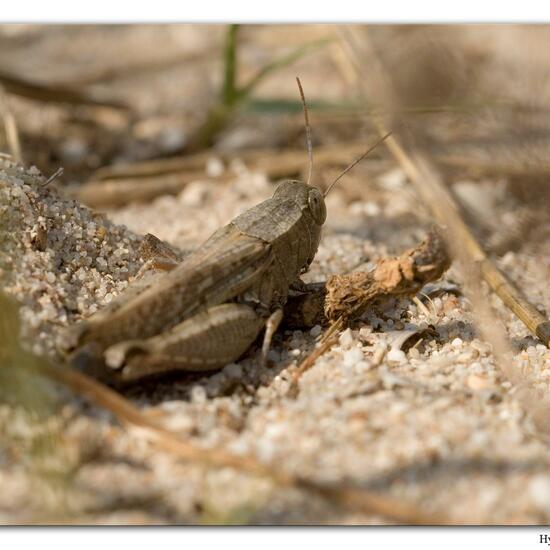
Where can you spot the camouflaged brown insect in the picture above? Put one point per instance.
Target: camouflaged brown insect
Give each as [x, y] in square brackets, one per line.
[208, 309]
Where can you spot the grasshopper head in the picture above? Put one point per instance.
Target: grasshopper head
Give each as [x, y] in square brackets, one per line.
[307, 197]
[309, 201]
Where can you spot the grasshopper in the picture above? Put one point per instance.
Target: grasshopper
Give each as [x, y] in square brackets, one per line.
[207, 310]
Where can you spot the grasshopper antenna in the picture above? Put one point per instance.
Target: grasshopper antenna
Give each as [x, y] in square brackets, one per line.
[371, 148]
[308, 132]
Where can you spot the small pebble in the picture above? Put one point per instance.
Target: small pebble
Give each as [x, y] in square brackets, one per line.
[372, 209]
[476, 368]
[365, 332]
[346, 338]
[198, 395]
[539, 491]
[361, 367]
[457, 343]
[73, 150]
[273, 355]
[478, 383]
[396, 356]
[233, 370]
[352, 356]
[214, 167]
[315, 331]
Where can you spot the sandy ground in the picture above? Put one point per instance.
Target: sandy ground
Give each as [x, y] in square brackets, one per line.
[437, 425]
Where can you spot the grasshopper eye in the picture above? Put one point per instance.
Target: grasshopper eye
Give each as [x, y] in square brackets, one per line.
[317, 206]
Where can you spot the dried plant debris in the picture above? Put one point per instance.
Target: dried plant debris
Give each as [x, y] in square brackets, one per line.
[349, 296]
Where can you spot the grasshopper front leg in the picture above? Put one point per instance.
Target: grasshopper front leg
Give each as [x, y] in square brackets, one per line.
[158, 255]
[206, 341]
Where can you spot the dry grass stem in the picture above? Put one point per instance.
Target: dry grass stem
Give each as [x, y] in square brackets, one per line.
[443, 206]
[309, 361]
[53, 94]
[275, 163]
[10, 128]
[118, 185]
[140, 67]
[118, 192]
[353, 498]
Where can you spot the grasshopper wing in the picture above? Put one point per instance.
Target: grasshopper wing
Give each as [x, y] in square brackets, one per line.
[222, 268]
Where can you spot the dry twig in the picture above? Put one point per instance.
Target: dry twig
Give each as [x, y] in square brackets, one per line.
[349, 296]
[118, 192]
[140, 67]
[126, 412]
[282, 163]
[278, 164]
[309, 361]
[118, 185]
[346, 297]
[53, 94]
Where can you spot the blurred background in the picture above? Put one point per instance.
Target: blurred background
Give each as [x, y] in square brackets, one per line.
[86, 97]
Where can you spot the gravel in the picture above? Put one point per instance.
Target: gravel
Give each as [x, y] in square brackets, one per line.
[59, 259]
[436, 424]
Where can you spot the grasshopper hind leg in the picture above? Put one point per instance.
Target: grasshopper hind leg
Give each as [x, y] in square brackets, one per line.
[206, 341]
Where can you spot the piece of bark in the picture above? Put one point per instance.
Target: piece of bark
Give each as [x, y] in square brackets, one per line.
[348, 296]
